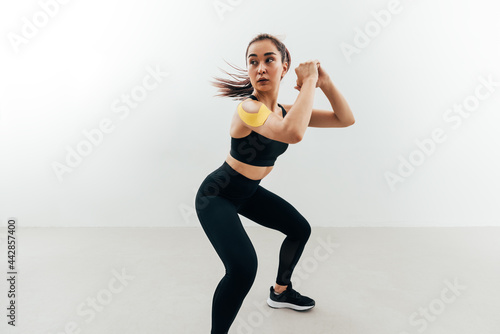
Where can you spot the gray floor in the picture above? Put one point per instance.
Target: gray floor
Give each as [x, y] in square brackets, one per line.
[161, 280]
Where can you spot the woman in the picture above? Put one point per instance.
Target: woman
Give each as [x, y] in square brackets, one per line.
[261, 130]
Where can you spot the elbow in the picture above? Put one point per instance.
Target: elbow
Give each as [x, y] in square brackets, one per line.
[293, 133]
[296, 138]
[349, 123]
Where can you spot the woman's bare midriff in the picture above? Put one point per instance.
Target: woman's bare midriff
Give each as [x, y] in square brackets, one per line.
[250, 171]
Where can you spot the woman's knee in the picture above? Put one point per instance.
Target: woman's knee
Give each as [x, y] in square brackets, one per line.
[301, 230]
[305, 230]
[244, 269]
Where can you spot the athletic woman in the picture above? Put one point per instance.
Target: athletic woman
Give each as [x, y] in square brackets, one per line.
[261, 130]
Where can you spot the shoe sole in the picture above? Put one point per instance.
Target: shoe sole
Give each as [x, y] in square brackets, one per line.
[274, 304]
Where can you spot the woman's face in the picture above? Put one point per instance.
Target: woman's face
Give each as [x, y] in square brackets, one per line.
[264, 62]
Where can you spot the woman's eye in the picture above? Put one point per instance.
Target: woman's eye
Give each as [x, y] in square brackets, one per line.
[253, 61]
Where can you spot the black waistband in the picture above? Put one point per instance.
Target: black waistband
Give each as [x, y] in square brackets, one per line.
[235, 173]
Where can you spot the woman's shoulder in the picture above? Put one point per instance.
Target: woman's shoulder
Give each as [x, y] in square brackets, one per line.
[249, 105]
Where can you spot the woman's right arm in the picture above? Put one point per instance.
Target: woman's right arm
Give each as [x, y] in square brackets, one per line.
[297, 118]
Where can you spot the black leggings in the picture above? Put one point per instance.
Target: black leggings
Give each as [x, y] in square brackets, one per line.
[223, 195]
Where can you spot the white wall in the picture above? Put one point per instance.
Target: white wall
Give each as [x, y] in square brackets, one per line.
[69, 75]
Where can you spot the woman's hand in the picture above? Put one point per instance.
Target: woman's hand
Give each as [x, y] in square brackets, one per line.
[307, 70]
[323, 78]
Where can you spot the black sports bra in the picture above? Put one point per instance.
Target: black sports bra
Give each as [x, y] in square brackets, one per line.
[256, 149]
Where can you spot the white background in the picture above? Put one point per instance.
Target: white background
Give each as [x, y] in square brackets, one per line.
[66, 77]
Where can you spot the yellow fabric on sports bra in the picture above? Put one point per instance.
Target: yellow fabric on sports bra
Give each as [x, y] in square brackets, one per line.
[254, 119]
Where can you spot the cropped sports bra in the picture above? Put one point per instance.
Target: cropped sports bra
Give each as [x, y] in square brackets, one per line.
[257, 150]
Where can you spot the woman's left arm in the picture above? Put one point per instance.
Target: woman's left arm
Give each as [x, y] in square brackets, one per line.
[340, 117]
[339, 104]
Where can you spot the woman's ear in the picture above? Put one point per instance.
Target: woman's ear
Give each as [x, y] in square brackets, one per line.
[285, 70]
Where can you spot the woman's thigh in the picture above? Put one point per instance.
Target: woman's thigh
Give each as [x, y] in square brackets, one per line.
[268, 209]
[222, 225]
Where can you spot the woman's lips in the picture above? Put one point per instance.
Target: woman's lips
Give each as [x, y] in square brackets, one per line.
[264, 80]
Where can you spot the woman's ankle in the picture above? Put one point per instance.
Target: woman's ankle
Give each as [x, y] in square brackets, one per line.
[280, 288]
